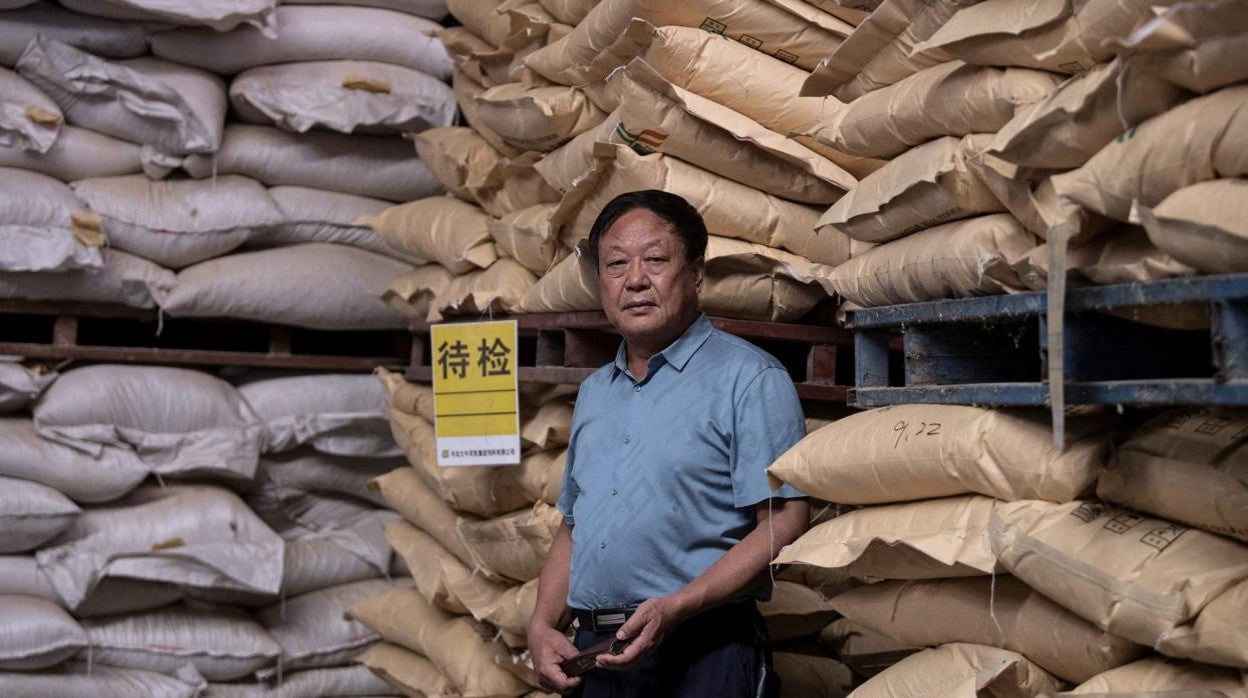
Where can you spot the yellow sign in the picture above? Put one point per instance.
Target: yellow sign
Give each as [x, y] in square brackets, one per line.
[475, 393]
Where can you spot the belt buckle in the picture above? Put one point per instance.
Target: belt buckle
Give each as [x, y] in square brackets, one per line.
[613, 617]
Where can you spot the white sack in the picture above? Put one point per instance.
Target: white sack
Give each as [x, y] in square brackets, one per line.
[124, 279]
[304, 470]
[79, 475]
[332, 682]
[35, 633]
[29, 119]
[102, 37]
[81, 680]
[220, 15]
[429, 9]
[77, 154]
[338, 414]
[317, 215]
[31, 514]
[43, 226]
[21, 385]
[20, 574]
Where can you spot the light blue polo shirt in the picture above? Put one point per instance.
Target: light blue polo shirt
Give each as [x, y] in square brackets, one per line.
[663, 474]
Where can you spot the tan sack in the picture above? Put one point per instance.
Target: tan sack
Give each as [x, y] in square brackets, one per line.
[1118, 256]
[102, 37]
[409, 673]
[176, 223]
[408, 398]
[794, 32]
[221, 644]
[76, 679]
[430, 9]
[76, 154]
[373, 166]
[1196, 45]
[912, 452]
[526, 237]
[515, 185]
[487, 19]
[1186, 465]
[123, 279]
[924, 186]
[951, 99]
[730, 209]
[541, 475]
[1135, 576]
[467, 89]
[862, 649]
[1001, 612]
[917, 540]
[192, 535]
[403, 617]
[44, 227]
[274, 286]
[497, 289]
[316, 215]
[1081, 116]
[29, 119]
[442, 229]
[1219, 634]
[304, 471]
[312, 33]
[811, 675]
[161, 105]
[880, 52]
[961, 670]
[513, 545]
[75, 473]
[406, 492]
[1196, 141]
[569, 286]
[354, 680]
[37, 634]
[794, 610]
[1157, 676]
[31, 514]
[965, 258]
[437, 573]
[221, 16]
[1204, 225]
[1065, 37]
[343, 96]
[551, 427]
[459, 158]
[412, 293]
[536, 118]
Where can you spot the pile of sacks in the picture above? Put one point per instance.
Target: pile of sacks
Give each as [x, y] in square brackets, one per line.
[165, 532]
[1113, 126]
[125, 183]
[1024, 569]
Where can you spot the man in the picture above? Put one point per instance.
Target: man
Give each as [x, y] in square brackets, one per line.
[669, 524]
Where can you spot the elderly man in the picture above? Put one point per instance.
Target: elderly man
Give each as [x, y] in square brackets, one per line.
[669, 523]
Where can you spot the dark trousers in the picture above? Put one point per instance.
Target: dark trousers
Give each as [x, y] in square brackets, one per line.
[721, 653]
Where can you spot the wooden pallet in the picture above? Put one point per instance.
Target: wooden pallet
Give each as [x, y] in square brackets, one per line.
[103, 333]
[567, 347]
[995, 350]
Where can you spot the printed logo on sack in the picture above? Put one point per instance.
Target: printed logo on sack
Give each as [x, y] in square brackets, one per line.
[643, 142]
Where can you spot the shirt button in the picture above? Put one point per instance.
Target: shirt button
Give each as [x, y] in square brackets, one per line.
[602, 544]
[615, 491]
[627, 439]
[637, 389]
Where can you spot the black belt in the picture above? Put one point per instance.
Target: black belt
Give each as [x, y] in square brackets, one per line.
[604, 619]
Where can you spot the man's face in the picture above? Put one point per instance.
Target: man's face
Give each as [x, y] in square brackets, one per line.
[649, 291]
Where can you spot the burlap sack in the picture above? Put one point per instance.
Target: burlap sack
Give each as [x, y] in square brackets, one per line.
[312, 33]
[485, 490]
[811, 675]
[536, 118]
[922, 187]
[526, 237]
[1196, 141]
[794, 32]
[1157, 676]
[551, 427]
[1065, 37]
[954, 260]
[879, 52]
[862, 649]
[1218, 636]
[274, 286]
[1135, 576]
[912, 452]
[950, 99]
[29, 119]
[412, 293]
[1001, 612]
[403, 617]
[1197, 45]
[219, 16]
[729, 208]
[1202, 225]
[795, 610]
[961, 670]
[102, 37]
[541, 475]
[1082, 115]
[123, 279]
[1187, 465]
[408, 672]
[918, 540]
[441, 229]
[343, 96]
[513, 545]
[177, 223]
[374, 166]
[497, 289]
[77, 153]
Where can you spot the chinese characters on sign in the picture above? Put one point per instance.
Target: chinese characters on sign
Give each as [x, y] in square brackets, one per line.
[476, 399]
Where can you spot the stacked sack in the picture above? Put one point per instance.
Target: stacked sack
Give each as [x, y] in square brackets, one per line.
[129, 186]
[980, 541]
[167, 532]
[475, 539]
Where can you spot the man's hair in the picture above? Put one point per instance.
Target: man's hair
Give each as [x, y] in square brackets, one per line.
[683, 218]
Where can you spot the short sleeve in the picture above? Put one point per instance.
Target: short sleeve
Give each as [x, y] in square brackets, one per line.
[569, 491]
[767, 421]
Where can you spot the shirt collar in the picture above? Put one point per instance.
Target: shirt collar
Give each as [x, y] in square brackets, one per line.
[678, 352]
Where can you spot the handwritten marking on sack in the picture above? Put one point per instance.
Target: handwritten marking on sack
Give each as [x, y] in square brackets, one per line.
[1123, 523]
[1089, 512]
[1161, 538]
[903, 432]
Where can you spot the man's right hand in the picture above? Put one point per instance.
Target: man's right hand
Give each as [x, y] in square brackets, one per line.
[548, 647]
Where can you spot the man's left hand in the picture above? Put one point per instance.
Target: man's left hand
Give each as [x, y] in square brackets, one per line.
[649, 625]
